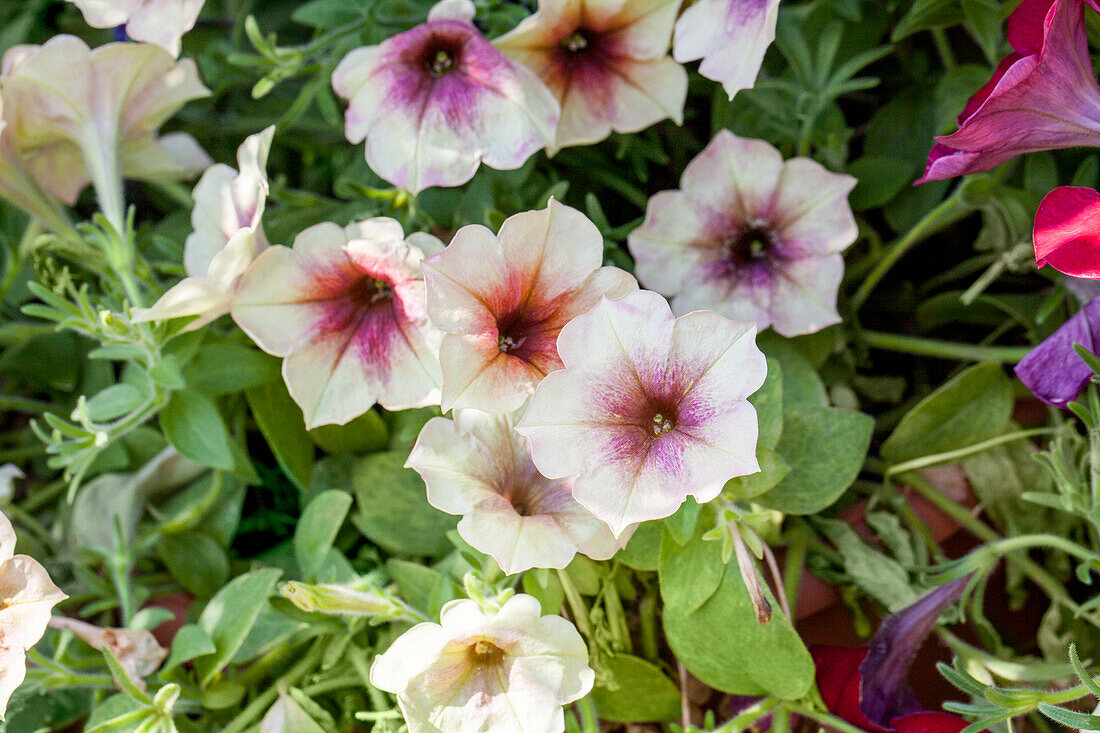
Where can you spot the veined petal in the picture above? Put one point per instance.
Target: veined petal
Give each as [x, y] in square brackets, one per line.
[730, 36]
[1067, 231]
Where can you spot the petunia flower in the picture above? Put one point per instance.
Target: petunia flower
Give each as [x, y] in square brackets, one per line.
[18, 186]
[479, 671]
[227, 238]
[606, 61]
[866, 685]
[160, 22]
[1052, 370]
[1067, 231]
[502, 300]
[479, 467]
[730, 36]
[345, 306]
[749, 236]
[27, 595]
[9, 472]
[436, 101]
[1043, 96]
[79, 115]
[136, 650]
[649, 409]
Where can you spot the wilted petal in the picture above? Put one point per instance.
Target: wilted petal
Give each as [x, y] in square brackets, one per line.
[512, 670]
[160, 22]
[1042, 97]
[503, 299]
[436, 101]
[730, 36]
[649, 409]
[479, 467]
[346, 309]
[749, 236]
[1067, 231]
[606, 62]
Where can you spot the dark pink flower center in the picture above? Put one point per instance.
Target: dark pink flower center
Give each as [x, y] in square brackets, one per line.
[441, 52]
[749, 247]
[369, 291]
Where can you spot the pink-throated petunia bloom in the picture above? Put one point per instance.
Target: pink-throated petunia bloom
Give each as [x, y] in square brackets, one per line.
[1043, 96]
[479, 467]
[730, 36]
[1067, 231]
[436, 101]
[502, 300]
[79, 115]
[749, 236]
[606, 61]
[480, 670]
[227, 238]
[27, 597]
[160, 22]
[345, 307]
[649, 410]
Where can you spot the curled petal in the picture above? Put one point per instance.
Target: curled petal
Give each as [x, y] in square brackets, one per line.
[1067, 231]
[730, 36]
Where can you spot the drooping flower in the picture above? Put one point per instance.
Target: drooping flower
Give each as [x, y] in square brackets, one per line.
[479, 467]
[606, 61]
[1067, 231]
[27, 595]
[866, 686]
[503, 299]
[1041, 97]
[227, 238]
[730, 36]
[749, 236]
[1052, 370]
[80, 116]
[18, 186]
[436, 101]
[649, 409]
[160, 22]
[481, 671]
[136, 650]
[345, 306]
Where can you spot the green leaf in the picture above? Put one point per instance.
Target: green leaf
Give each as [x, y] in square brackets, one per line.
[422, 587]
[772, 470]
[926, 14]
[545, 586]
[722, 644]
[230, 368]
[1070, 718]
[229, 617]
[115, 401]
[394, 512]
[281, 422]
[192, 424]
[126, 683]
[801, 383]
[879, 576]
[317, 529]
[365, 434]
[768, 401]
[641, 694]
[974, 406]
[117, 714]
[682, 523]
[643, 551]
[189, 642]
[880, 179]
[691, 573]
[825, 449]
[197, 561]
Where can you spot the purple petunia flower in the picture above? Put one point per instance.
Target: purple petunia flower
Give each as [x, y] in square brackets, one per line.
[1053, 371]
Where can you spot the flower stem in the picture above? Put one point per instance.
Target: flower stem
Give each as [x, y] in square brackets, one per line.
[944, 349]
[577, 608]
[950, 210]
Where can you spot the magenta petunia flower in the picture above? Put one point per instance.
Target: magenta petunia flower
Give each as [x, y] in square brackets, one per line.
[502, 300]
[730, 36]
[606, 61]
[1042, 97]
[479, 467]
[649, 410]
[749, 236]
[1067, 231]
[435, 102]
[345, 307]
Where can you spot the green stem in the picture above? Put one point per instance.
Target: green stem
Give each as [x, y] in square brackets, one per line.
[24, 404]
[1047, 582]
[943, 48]
[944, 349]
[826, 719]
[576, 604]
[950, 210]
[796, 559]
[263, 701]
[956, 455]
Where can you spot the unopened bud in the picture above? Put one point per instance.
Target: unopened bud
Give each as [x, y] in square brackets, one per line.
[752, 578]
[339, 600]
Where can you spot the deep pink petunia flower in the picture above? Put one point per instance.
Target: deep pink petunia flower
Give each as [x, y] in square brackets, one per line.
[1043, 96]
[1067, 231]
